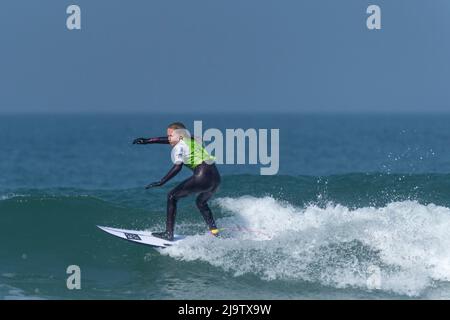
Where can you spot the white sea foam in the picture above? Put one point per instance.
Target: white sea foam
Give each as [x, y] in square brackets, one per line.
[10, 196]
[11, 293]
[402, 248]
[6, 196]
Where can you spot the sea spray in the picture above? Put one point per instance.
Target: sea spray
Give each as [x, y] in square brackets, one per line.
[402, 247]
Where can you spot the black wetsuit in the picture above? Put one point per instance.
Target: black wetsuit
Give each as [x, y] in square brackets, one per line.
[204, 182]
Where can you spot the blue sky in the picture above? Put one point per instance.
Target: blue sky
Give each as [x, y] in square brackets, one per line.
[233, 56]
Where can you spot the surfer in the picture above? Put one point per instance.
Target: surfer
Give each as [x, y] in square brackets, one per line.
[204, 181]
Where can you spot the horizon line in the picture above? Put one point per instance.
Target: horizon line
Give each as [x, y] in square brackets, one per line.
[262, 112]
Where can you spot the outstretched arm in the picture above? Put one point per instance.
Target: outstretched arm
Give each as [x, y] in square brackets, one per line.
[172, 173]
[160, 140]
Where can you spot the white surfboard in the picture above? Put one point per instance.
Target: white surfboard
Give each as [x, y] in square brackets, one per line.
[142, 237]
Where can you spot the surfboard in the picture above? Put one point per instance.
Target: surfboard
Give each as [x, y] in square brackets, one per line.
[142, 237]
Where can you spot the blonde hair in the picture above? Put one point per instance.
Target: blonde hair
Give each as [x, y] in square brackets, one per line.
[180, 129]
[176, 125]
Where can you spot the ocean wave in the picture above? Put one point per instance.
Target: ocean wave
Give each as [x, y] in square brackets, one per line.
[383, 233]
[403, 247]
[8, 292]
[8, 196]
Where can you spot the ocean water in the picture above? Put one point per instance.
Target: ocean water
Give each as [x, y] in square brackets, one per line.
[360, 209]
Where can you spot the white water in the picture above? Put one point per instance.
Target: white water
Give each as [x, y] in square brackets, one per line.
[8, 196]
[11, 293]
[403, 248]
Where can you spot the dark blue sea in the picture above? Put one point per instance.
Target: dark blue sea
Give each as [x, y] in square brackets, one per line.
[360, 209]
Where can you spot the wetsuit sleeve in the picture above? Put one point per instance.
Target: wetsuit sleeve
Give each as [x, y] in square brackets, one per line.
[172, 173]
[159, 140]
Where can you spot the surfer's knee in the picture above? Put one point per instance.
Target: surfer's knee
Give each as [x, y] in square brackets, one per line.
[172, 197]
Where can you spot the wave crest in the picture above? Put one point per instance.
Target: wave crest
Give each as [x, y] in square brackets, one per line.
[402, 247]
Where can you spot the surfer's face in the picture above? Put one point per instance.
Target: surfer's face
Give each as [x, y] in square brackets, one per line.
[173, 136]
